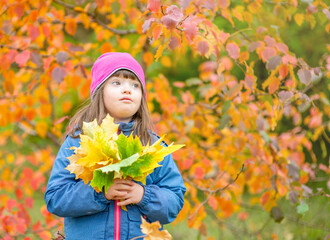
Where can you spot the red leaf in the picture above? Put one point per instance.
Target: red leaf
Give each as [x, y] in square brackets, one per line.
[224, 3]
[22, 57]
[27, 173]
[223, 36]
[267, 53]
[282, 48]
[19, 193]
[147, 24]
[34, 32]
[233, 50]
[184, 3]
[36, 227]
[187, 163]
[285, 95]
[199, 173]
[19, 10]
[203, 47]
[305, 76]
[209, 4]
[254, 45]
[250, 81]
[213, 202]
[61, 57]
[190, 28]
[46, 30]
[273, 62]
[60, 120]
[154, 5]
[173, 17]
[174, 42]
[270, 41]
[58, 74]
[10, 56]
[29, 202]
[36, 58]
[11, 203]
[178, 84]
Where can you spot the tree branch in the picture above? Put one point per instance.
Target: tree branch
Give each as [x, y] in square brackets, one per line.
[95, 19]
[210, 192]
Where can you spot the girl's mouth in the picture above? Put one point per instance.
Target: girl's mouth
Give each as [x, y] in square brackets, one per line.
[126, 99]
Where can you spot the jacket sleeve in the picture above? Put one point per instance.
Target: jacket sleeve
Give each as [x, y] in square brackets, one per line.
[67, 197]
[163, 199]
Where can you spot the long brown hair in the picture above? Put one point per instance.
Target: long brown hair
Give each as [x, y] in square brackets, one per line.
[95, 109]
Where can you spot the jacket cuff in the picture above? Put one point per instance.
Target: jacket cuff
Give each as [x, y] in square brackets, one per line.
[100, 197]
[146, 196]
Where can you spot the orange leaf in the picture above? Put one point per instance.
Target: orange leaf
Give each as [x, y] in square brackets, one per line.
[30, 114]
[148, 58]
[70, 26]
[274, 85]
[41, 128]
[124, 43]
[166, 61]
[84, 90]
[45, 235]
[283, 70]
[66, 106]
[157, 31]
[106, 47]
[46, 110]
[8, 86]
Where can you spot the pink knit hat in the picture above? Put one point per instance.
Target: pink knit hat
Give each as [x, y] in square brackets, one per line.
[108, 63]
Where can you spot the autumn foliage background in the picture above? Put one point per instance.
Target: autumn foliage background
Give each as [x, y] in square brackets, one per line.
[243, 84]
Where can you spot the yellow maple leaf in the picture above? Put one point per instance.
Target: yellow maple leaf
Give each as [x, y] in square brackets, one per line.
[152, 231]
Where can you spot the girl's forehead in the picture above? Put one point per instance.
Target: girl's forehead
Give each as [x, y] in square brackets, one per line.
[121, 76]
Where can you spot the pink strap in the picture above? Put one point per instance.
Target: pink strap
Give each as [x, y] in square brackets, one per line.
[117, 221]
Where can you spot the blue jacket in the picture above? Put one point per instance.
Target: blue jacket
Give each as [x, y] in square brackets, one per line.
[89, 215]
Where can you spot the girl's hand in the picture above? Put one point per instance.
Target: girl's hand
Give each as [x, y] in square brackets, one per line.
[128, 191]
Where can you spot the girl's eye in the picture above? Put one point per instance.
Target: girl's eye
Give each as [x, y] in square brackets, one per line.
[136, 85]
[116, 83]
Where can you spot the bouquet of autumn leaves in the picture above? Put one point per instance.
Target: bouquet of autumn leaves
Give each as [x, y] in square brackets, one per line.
[104, 155]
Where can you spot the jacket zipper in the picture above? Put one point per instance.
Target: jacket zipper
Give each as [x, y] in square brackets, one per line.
[117, 216]
[117, 220]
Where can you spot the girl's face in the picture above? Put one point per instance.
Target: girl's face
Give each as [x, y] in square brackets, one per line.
[122, 98]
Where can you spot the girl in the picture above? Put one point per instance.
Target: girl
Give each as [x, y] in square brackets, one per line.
[118, 89]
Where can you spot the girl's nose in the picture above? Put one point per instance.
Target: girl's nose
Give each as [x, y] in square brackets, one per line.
[126, 89]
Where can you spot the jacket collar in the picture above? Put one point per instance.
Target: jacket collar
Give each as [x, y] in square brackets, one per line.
[126, 127]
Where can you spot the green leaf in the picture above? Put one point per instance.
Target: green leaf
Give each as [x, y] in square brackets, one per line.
[225, 119]
[116, 167]
[101, 179]
[226, 106]
[265, 136]
[136, 169]
[302, 207]
[128, 146]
